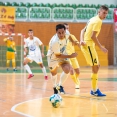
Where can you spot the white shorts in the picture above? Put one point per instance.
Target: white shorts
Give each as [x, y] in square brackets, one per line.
[53, 64]
[37, 59]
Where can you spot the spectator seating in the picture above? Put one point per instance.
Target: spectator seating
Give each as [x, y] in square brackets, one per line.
[62, 13]
[83, 14]
[39, 14]
[21, 13]
[57, 12]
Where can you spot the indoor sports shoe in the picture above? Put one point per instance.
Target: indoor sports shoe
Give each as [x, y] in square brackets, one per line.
[97, 93]
[46, 77]
[60, 89]
[7, 69]
[55, 90]
[30, 76]
[15, 70]
[77, 87]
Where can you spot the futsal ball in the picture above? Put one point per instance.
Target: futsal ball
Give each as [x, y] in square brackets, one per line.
[56, 100]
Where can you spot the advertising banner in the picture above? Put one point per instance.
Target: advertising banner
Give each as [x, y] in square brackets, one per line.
[7, 19]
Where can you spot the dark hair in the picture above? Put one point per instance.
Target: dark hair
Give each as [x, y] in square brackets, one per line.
[60, 26]
[65, 24]
[104, 8]
[30, 30]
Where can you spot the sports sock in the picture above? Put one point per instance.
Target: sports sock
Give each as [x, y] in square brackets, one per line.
[28, 68]
[63, 77]
[44, 71]
[75, 79]
[13, 63]
[7, 63]
[94, 80]
[54, 80]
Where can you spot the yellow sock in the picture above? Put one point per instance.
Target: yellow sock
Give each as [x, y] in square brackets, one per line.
[94, 80]
[75, 79]
[13, 63]
[7, 63]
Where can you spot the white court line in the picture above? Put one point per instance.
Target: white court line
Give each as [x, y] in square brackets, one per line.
[105, 107]
[13, 108]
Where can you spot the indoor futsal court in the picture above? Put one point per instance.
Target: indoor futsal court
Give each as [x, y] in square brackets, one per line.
[23, 95]
[20, 97]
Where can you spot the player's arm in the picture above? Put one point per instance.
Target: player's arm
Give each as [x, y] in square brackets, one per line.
[25, 51]
[76, 42]
[96, 41]
[42, 46]
[72, 40]
[42, 50]
[66, 56]
[5, 40]
[82, 37]
[25, 48]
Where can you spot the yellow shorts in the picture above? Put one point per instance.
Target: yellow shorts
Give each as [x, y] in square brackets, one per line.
[74, 63]
[90, 55]
[10, 55]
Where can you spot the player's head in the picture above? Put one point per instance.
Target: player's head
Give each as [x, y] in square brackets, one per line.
[66, 26]
[103, 11]
[30, 33]
[10, 37]
[60, 30]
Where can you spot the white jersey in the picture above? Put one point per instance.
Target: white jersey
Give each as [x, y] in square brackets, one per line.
[33, 46]
[57, 46]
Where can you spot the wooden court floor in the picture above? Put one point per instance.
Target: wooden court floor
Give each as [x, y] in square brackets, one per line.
[22, 97]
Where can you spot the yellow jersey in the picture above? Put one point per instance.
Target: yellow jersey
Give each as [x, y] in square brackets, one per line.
[70, 48]
[94, 24]
[10, 45]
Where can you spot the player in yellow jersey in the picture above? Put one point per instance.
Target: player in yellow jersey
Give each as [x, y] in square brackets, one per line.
[73, 61]
[88, 39]
[11, 52]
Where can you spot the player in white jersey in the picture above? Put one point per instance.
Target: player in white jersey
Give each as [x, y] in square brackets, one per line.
[57, 56]
[34, 53]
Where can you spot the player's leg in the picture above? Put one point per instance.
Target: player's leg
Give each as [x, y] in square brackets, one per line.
[13, 61]
[53, 65]
[94, 76]
[54, 79]
[92, 59]
[38, 60]
[66, 67]
[26, 66]
[8, 57]
[43, 70]
[94, 62]
[75, 74]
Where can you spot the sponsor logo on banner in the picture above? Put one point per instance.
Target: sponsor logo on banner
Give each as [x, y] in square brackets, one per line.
[7, 19]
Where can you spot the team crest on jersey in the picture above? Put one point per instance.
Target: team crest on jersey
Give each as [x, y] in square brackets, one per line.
[62, 49]
[32, 47]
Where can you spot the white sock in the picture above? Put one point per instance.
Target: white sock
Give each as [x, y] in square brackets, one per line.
[63, 77]
[44, 71]
[54, 80]
[28, 68]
